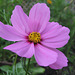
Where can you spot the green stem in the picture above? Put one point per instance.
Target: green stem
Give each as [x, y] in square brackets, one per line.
[5, 16]
[68, 5]
[15, 60]
[28, 66]
[24, 64]
[14, 65]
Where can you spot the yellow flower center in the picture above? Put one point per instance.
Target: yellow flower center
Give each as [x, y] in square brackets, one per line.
[34, 37]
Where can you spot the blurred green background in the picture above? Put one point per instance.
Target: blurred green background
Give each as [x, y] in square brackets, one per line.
[62, 11]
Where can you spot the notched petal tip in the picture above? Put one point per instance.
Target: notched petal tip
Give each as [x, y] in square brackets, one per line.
[39, 16]
[55, 35]
[61, 61]
[16, 7]
[20, 20]
[66, 29]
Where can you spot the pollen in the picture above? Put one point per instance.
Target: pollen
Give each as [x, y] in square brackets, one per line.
[34, 37]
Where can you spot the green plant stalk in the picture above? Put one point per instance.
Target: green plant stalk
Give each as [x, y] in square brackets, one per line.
[5, 16]
[14, 64]
[15, 60]
[28, 66]
[24, 64]
[68, 5]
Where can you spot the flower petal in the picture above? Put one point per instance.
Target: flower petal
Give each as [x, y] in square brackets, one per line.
[56, 37]
[27, 51]
[16, 46]
[9, 33]
[20, 20]
[39, 16]
[61, 61]
[49, 27]
[44, 56]
[23, 49]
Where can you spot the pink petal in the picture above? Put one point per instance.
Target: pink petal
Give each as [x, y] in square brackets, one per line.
[16, 46]
[23, 49]
[49, 27]
[61, 61]
[56, 37]
[20, 20]
[39, 16]
[55, 45]
[55, 29]
[27, 51]
[44, 56]
[9, 33]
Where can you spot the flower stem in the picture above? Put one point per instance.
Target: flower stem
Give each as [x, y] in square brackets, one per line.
[65, 8]
[15, 60]
[23, 60]
[24, 63]
[28, 66]
[14, 66]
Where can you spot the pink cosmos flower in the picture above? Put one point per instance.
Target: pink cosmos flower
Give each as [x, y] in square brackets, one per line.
[36, 36]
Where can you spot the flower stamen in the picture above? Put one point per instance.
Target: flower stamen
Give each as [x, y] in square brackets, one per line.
[34, 37]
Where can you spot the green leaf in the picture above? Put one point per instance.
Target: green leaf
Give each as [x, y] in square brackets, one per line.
[6, 68]
[37, 70]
